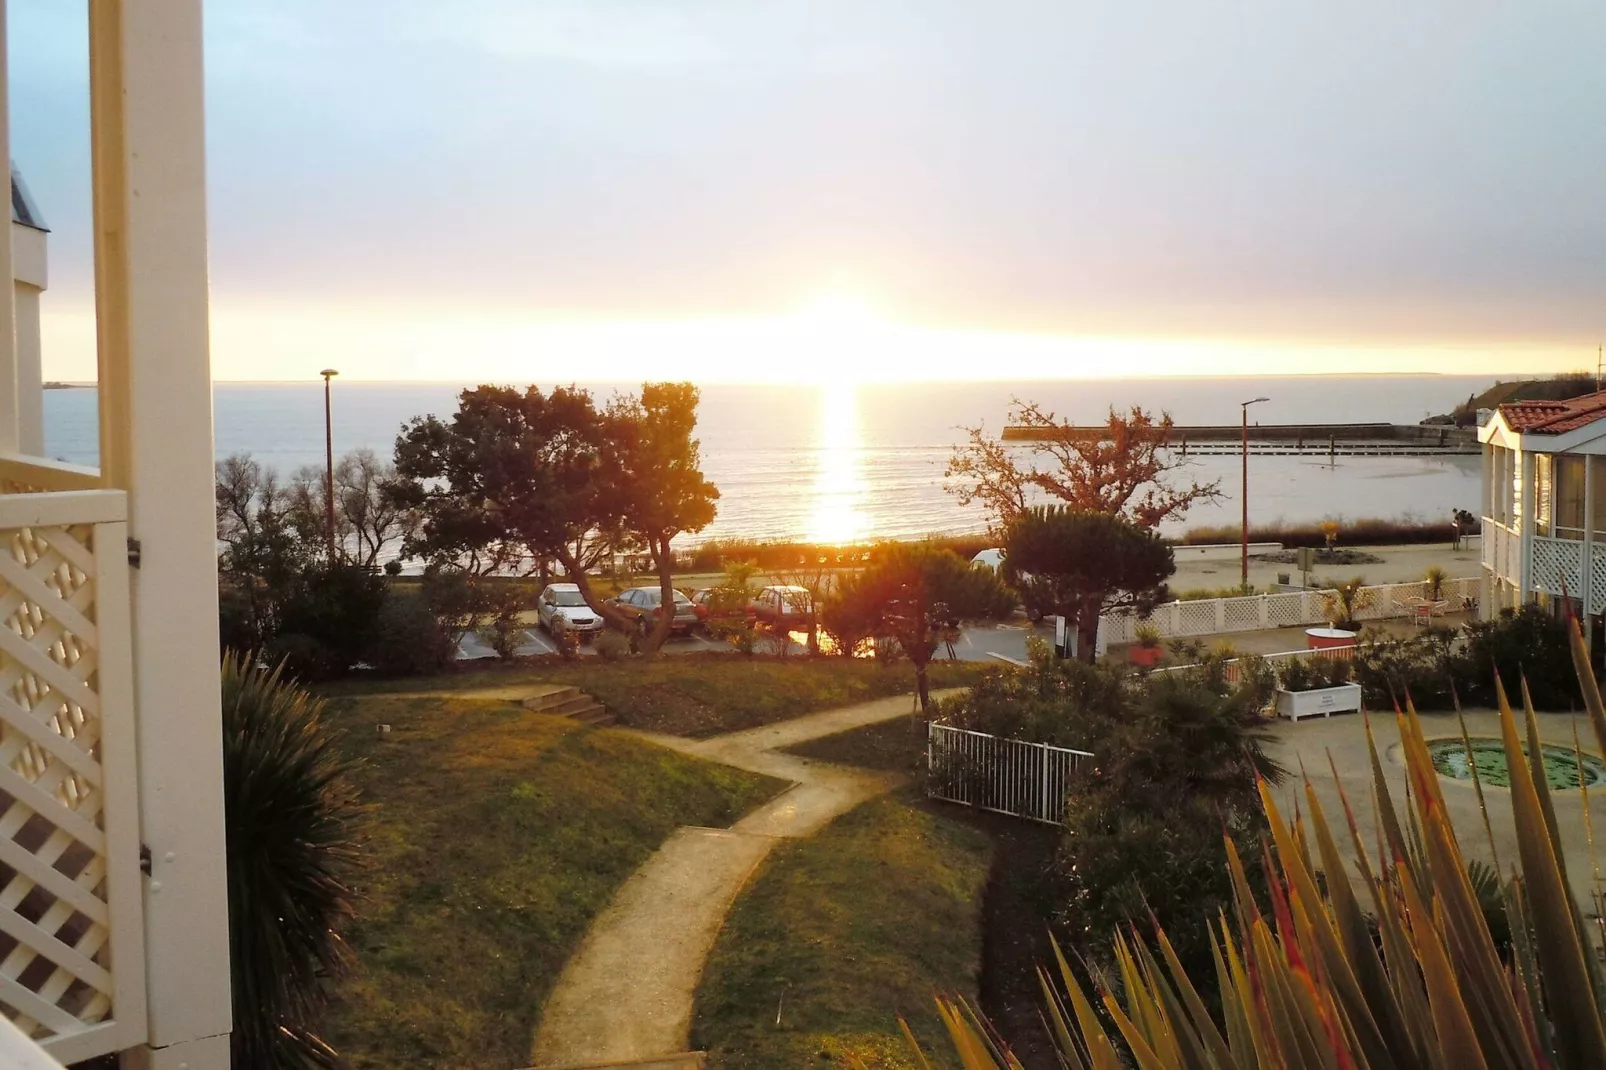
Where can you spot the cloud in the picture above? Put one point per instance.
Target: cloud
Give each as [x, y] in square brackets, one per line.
[1368, 172]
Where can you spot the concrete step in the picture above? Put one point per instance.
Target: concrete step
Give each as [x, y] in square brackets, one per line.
[596, 716]
[551, 697]
[577, 703]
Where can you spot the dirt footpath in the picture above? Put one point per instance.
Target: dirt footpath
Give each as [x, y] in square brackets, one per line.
[626, 994]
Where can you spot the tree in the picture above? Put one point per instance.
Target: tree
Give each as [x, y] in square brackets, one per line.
[659, 488]
[265, 549]
[372, 515]
[513, 479]
[1081, 565]
[910, 595]
[1125, 471]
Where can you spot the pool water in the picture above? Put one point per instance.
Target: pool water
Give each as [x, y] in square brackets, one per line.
[1561, 763]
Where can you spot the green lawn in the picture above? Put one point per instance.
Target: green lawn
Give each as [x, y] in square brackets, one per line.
[889, 746]
[841, 933]
[698, 694]
[495, 836]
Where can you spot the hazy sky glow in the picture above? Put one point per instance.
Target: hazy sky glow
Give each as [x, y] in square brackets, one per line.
[598, 189]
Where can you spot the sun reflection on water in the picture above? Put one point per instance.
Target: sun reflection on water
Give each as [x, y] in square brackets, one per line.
[836, 516]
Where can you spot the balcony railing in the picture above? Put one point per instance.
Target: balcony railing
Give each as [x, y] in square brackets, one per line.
[71, 929]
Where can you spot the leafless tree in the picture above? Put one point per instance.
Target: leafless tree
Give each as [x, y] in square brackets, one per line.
[1126, 470]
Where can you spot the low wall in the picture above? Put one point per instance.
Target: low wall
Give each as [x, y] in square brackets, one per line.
[1258, 612]
[1222, 551]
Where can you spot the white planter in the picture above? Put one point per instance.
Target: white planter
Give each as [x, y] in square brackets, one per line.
[1323, 701]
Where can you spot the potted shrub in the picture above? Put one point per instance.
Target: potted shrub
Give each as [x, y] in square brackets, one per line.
[1310, 686]
[1145, 649]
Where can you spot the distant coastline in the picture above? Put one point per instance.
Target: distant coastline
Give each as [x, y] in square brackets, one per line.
[54, 385]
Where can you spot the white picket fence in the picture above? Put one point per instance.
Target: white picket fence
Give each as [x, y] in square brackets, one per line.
[1256, 612]
[1006, 776]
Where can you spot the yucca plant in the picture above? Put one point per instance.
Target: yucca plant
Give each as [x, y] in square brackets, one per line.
[1405, 973]
[290, 819]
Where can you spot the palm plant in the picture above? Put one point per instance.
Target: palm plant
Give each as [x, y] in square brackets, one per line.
[1405, 973]
[290, 817]
[1344, 604]
[1434, 580]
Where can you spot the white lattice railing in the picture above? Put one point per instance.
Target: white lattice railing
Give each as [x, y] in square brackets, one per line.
[20, 474]
[1558, 566]
[1258, 612]
[71, 932]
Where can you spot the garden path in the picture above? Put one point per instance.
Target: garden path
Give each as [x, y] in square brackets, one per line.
[626, 994]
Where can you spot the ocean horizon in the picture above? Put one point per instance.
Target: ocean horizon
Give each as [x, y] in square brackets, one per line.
[851, 462]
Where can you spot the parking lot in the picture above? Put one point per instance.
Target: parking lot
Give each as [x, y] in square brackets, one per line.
[977, 642]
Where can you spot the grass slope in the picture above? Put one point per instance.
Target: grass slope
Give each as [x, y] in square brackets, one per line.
[496, 835]
[699, 694]
[841, 933]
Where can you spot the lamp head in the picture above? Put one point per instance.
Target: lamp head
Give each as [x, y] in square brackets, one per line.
[1253, 401]
[328, 373]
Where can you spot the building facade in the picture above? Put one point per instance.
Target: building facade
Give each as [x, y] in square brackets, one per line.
[1544, 506]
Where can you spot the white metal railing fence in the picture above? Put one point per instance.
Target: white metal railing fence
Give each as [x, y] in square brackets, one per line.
[1007, 776]
[1257, 612]
[72, 959]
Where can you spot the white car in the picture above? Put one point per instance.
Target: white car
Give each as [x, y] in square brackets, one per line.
[561, 609]
[992, 559]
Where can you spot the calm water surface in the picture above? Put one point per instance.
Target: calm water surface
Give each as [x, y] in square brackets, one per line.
[855, 462]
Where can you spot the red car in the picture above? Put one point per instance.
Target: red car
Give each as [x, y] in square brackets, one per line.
[709, 604]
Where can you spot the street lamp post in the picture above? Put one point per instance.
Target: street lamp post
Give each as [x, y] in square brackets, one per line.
[329, 462]
[1244, 579]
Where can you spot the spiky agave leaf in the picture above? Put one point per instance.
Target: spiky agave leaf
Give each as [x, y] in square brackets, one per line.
[1306, 985]
[289, 818]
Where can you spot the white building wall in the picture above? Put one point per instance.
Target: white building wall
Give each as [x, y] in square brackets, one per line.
[28, 264]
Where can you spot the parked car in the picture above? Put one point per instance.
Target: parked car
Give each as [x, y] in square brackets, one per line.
[990, 559]
[561, 610]
[709, 605]
[993, 560]
[789, 607]
[641, 605]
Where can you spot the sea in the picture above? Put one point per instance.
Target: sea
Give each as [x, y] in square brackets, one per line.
[847, 462]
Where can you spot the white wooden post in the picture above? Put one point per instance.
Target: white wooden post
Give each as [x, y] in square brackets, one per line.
[148, 140]
[1591, 598]
[1525, 535]
[9, 432]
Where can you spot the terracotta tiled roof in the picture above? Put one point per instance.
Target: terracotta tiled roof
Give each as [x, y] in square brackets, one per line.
[1554, 417]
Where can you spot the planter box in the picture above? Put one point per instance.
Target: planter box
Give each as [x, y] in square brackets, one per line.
[1147, 656]
[1323, 700]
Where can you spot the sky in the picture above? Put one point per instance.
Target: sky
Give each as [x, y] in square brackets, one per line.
[746, 190]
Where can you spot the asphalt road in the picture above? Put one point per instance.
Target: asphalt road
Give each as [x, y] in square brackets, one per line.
[981, 642]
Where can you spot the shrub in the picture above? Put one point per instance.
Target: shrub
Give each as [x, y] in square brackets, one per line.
[612, 646]
[1176, 757]
[1146, 635]
[409, 640]
[290, 818]
[504, 632]
[1422, 667]
[329, 620]
[1528, 644]
[1312, 674]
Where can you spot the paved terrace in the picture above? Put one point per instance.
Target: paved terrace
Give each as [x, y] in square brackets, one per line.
[1310, 743]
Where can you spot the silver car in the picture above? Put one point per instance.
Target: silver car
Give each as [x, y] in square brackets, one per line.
[561, 610]
[640, 605]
